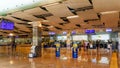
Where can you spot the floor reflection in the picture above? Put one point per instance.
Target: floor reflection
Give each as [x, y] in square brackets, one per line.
[86, 59]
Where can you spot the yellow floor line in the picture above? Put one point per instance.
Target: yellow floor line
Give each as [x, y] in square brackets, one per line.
[114, 63]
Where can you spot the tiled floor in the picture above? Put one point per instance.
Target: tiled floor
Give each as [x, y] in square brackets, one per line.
[86, 59]
[119, 60]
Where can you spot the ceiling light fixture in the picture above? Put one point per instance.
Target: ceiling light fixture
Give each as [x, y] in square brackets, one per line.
[30, 22]
[40, 25]
[108, 12]
[75, 16]
[11, 34]
[50, 26]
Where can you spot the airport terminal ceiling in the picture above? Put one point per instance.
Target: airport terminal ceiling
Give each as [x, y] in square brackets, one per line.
[61, 15]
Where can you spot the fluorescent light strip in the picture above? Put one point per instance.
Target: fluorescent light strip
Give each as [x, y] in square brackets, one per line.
[75, 16]
[108, 12]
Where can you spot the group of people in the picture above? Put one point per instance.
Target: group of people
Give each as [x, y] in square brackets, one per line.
[109, 44]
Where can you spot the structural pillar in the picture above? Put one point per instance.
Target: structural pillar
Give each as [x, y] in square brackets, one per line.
[68, 42]
[36, 40]
[13, 44]
[119, 42]
[89, 37]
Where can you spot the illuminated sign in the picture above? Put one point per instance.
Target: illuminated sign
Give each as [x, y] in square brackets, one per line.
[51, 33]
[109, 30]
[64, 33]
[73, 32]
[89, 31]
[6, 25]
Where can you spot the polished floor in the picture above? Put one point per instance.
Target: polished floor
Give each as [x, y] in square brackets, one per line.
[87, 59]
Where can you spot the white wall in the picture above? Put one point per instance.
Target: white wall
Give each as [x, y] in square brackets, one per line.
[75, 37]
[61, 37]
[80, 37]
[101, 37]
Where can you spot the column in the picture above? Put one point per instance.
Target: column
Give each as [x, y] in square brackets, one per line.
[89, 37]
[13, 44]
[68, 40]
[119, 42]
[36, 40]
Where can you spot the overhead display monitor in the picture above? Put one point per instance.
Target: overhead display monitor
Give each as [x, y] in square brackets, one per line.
[6, 25]
[52, 33]
[108, 30]
[89, 31]
[64, 33]
[73, 32]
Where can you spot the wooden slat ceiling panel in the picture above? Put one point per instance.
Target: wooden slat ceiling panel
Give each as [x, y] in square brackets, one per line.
[59, 10]
[110, 19]
[22, 27]
[76, 20]
[88, 14]
[26, 16]
[87, 26]
[54, 19]
[77, 3]
[62, 10]
[13, 19]
[70, 26]
[98, 22]
[106, 5]
[36, 11]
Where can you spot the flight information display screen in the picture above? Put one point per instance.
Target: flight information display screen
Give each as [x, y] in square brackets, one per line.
[6, 25]
[108, 30]
[89, 31]
[73, 32]
[52, 33]
[64, 33]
